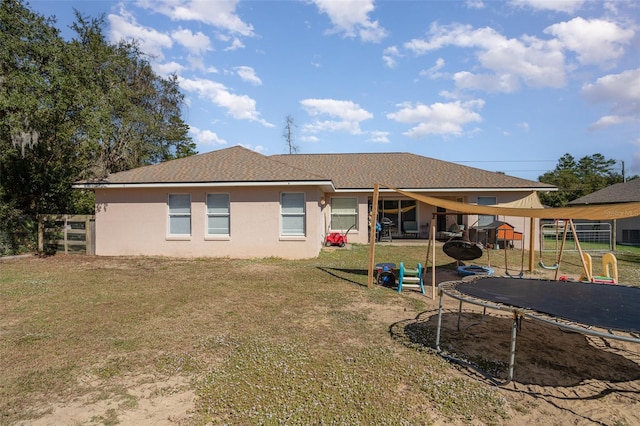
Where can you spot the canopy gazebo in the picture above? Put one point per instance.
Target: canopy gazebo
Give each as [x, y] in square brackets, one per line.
[525, 208]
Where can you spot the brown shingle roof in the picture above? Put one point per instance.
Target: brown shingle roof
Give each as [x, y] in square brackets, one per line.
[626, 192]
[346, 171]
[401, 170]
[235, 164]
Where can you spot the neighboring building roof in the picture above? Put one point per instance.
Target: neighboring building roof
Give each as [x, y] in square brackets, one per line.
[403, 170]
[624, 192]
[331, 171]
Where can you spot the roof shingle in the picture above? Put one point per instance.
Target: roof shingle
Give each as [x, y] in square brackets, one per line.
[401, 170]
[235, 164]
[624, 192]
[346, 171]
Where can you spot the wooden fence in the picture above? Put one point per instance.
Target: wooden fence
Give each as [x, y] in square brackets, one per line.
[69, 234]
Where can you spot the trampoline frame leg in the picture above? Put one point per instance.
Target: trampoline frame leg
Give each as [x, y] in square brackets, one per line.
[512, 353]
[438, 350]
[514, 334]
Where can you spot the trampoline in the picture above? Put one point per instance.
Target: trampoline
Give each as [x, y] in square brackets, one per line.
[609, 311]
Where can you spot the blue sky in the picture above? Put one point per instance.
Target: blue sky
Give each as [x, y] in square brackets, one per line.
[505, 86]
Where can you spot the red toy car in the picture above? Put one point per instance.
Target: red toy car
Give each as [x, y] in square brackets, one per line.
[336, 238]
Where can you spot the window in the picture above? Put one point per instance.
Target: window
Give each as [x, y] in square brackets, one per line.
[344, 213]
[179, 214]
[217, 214]
[293, 214]
[484, 219]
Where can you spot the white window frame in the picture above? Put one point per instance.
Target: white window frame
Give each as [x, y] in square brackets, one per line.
[485, 219]
[344, 212]
[171, 215]
[226, 214]
[285, 214]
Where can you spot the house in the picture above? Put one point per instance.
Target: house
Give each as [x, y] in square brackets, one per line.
[238, 203]
[627, 231]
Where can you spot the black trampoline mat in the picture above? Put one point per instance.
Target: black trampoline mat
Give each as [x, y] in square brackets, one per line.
[615, 307]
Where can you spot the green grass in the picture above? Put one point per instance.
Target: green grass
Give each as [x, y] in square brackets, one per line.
[261, 341]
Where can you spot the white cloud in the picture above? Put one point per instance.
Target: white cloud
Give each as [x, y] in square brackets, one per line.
[389, 56]
[621, 92]
[169, 68]
[309, 138]
[248, 74]
[608, 121]
[256, 148]
[220, 13]
[206, 137]
[197, 62]
[455, 35]
[434, 71]
[240, 107]
[351, 17]
[510, 62]
[345, 110]
[475, 4]
[348, 114]
[236, 44]
[151, 42]
[504, 83]
[595, 41]
[378, 136]
[439, 118]
[567, 6]
[195, 43]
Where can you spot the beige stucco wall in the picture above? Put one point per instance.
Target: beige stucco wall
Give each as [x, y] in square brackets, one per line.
[135, 222]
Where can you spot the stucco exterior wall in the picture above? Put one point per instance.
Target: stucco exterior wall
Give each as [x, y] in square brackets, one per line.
[135, 222]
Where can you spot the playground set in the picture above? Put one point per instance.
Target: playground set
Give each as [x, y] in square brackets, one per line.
[529, 209]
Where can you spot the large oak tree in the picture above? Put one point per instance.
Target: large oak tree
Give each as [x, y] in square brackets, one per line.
[72, 110]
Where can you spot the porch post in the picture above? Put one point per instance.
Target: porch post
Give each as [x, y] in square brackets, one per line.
[532, 242]
[372, 234]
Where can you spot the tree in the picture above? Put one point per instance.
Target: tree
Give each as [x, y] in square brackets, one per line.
[576, 179]
[287, 133]
[133, 118]
[30, 109]
[75, 110]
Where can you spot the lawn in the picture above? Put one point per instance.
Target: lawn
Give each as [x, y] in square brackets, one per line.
[95, 340]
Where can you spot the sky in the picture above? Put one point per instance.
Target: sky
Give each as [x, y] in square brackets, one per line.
[508, 86]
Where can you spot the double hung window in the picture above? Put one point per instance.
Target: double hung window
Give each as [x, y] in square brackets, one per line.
[344, 213]
[293, 215]
[179, 214]
[218, 214]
